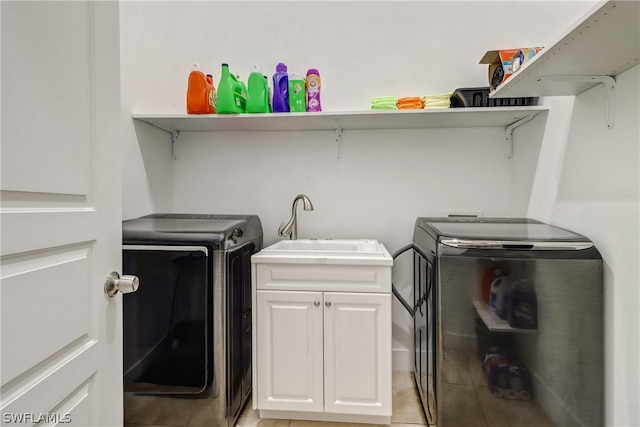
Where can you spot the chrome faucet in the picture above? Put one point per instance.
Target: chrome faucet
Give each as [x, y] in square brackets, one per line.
[290, 228]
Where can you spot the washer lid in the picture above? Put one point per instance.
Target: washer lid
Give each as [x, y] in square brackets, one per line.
[504, 233]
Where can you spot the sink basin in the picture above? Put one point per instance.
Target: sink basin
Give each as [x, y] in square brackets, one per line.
[367, 251]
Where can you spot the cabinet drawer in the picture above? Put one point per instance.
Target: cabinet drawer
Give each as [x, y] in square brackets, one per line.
[338, 278]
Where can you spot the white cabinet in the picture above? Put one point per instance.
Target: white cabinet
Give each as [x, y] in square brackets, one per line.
[290, 343]
[324, 352]
[322, 338]
[357, 353]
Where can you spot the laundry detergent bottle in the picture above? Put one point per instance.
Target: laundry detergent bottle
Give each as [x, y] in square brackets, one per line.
[496, 292]
[257, 92]
[200, 91]
[313, 90]
[281, 89]
[231, 94]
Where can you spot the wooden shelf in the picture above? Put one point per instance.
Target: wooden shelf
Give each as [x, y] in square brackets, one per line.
[493, 322]
[604, 42]
[352, 120]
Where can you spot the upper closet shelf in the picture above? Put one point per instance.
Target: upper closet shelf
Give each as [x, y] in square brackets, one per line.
[396, 119]
[604, 42]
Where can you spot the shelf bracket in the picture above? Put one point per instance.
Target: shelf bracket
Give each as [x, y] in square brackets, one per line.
[509, 133]
[339, 138]
[608, 82]
[175, 134]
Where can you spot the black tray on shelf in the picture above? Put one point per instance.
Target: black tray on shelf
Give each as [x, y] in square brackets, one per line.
[479, 97]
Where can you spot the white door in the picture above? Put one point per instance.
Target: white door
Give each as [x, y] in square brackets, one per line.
[61, 356]
[357, 353]
[289, 351]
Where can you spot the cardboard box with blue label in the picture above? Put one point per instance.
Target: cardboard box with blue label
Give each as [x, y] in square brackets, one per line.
[503, 63]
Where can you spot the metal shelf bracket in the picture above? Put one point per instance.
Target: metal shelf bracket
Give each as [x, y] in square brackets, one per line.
[608, 82]
[339, 138]
[175, 134]
[509, 133]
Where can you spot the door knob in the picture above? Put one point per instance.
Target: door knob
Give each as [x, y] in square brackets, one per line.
[125, 284]
[328, 303]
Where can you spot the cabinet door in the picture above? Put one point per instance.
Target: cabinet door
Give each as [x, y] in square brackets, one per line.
[357, 353]
[289, 351]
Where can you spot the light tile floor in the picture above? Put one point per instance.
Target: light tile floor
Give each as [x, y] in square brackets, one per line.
[466, 402]
[165, 412]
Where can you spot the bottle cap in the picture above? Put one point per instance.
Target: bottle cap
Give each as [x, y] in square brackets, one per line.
[313, 71]
[281, 67]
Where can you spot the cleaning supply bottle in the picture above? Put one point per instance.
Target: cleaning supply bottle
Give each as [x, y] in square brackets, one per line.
[199, 91]
[503, 298]
[212, 94]
[495, 292]
[269, 94]
[297, 94]
[488, 276]
[242, 90]
[231, 95]
[523, 310]
[257, 92]
[281, 89]
[313, 90]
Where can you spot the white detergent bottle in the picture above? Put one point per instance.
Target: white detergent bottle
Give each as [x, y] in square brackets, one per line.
[495, 290]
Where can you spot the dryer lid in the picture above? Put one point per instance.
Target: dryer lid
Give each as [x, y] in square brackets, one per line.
[220, 231]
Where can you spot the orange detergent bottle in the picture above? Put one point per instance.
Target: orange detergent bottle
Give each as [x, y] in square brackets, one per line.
[200, 93]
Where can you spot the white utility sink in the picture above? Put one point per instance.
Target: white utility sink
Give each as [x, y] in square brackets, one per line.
[323, 251]
[329, 303]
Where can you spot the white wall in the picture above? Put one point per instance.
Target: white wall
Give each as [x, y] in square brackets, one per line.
[586, 178]
[589, 181]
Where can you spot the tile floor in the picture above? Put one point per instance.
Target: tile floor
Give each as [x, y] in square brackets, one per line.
[166, 412]
[468, 403]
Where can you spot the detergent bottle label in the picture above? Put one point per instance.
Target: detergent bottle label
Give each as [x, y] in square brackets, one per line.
[212, 99]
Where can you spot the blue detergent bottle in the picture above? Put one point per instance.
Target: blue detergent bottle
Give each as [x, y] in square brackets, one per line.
[281, 89]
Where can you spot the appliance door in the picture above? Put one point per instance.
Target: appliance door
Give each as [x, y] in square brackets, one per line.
[425, 334]
[550, 321]
[239, 328]
[166, 322]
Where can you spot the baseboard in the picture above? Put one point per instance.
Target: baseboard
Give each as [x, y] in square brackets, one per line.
[402, 360]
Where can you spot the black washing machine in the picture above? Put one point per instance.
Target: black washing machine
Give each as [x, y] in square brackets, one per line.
[187, 330]
[514, 291]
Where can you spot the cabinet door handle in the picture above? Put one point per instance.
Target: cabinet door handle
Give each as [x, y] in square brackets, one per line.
[327, 303]
[316, 303]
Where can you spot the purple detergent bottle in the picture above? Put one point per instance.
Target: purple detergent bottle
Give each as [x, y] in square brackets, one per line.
[523, 310]
[281, 89]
